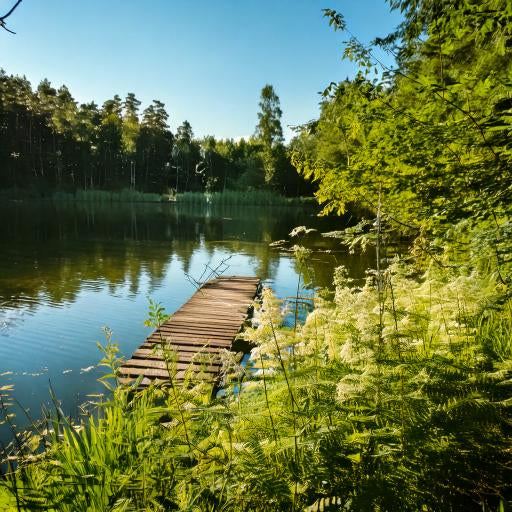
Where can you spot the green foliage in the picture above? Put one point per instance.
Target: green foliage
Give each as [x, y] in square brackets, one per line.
[235, 197]
[106, 196]
[430, 140]
[391, 397]
[269, 131]
[51, 142]
[156, 316]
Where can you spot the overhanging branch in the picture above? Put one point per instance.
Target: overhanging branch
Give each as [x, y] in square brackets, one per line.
[5, 16]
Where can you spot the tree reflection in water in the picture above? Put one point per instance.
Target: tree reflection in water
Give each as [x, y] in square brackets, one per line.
[68, 269]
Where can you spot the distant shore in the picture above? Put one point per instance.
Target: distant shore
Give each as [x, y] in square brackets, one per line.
[249, 197]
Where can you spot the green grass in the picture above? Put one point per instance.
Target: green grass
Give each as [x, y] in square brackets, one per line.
[228, 197]
[241, 198]
[21, 194]
[106, 196]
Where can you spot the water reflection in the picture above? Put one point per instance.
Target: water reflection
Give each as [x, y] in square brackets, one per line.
[50, 252]
[67, 270]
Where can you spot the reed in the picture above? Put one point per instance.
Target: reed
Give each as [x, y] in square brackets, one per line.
[125, 195]
[241, 198]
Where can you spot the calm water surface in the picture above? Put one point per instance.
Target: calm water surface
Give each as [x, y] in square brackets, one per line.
[68, 270]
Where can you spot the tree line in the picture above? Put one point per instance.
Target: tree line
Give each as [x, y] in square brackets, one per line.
[50, 141]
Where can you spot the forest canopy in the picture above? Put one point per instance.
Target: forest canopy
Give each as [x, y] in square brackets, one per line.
[431, 138]
[51, 142]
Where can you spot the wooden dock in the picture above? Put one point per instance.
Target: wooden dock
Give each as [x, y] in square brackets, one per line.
[196, 333]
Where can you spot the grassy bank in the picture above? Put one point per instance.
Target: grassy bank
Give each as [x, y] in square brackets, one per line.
[91, 195]
[247, 198]
[127, 195]
[395, 395]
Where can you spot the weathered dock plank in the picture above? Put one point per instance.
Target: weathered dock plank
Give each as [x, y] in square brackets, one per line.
[204, 326]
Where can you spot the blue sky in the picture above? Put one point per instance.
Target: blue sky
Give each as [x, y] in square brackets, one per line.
[207, 60]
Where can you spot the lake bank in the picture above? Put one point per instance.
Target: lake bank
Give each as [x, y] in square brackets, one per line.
[228, 197]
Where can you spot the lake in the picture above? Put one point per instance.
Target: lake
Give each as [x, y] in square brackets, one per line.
[67, 270]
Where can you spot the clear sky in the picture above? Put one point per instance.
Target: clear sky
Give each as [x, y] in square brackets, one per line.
[207, 60]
